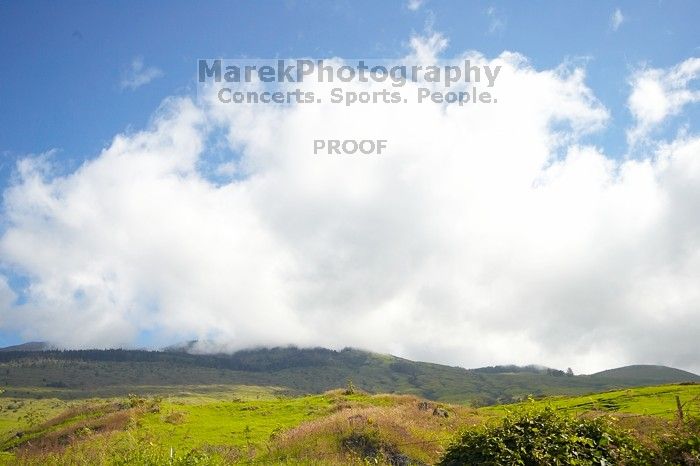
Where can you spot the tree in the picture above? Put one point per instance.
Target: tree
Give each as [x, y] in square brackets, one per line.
[569, 372]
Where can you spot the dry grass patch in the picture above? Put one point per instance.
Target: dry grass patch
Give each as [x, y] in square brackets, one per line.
[176, 417]
[405, 431]
[77, 424]
[57, 440]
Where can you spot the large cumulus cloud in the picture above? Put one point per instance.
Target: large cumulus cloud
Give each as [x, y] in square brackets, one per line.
[486, 234]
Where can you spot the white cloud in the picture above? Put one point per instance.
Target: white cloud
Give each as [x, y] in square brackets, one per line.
[616, 19]
[7, 298]
[426, 49]
[470, 242]
[497, 23]
[414, 5]
[661, 93]
[226, 169]
[139, 75]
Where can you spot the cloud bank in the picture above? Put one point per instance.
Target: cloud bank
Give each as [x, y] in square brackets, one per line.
[488, 234]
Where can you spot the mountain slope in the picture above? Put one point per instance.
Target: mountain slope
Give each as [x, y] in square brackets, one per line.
[649, 373]
[28, 346]
[82, 373]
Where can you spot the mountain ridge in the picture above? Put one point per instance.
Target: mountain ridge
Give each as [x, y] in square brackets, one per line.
[650, 372]
[28, 346]
[193, 347]
[81, 373]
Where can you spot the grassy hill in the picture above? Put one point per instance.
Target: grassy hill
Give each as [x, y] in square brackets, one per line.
[648, 374]
[294, 371]
[257, 425]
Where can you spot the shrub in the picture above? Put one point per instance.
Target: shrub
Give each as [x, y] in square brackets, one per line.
[680, 446]
[546, 438]
[368, 446]
[350, 388]
[176, 417]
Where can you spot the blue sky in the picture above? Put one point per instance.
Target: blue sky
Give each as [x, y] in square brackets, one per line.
[63, 62]
[76, 74]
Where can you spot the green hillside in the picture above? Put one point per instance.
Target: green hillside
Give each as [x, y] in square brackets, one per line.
[648, 373]
[648, 401]
[85, 373]
[256, 425]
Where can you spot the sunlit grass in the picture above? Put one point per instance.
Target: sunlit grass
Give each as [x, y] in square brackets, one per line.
[229, 425]
[653, 401]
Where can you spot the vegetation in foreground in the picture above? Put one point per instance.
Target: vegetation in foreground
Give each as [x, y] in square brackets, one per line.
[255, 425]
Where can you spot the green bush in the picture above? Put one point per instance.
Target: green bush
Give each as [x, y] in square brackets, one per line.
[546, 438]
[680, 446]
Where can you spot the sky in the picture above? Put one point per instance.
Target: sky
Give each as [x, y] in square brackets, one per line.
[559, 227]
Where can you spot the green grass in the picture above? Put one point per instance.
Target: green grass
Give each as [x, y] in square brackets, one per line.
[215, 391]
[19, 413]
[228, 422]
[649, 401]
[187, 424]
[244, 422]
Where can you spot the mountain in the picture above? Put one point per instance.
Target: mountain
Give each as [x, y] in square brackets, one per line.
[85, 373]
[649, 374]
[29, 346]
[513, 369]
[186, 347]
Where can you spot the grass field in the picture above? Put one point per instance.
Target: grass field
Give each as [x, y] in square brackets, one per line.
[248, 424]
[657, 401]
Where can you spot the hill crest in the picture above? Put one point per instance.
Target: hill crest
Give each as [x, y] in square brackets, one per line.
[649, 372]
[81, 373]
